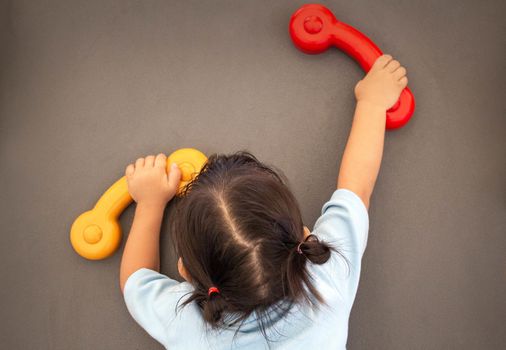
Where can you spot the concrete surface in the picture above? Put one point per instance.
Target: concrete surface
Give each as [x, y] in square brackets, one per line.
[86, 87]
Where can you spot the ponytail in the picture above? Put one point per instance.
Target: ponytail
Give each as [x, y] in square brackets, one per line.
[316, 251]
[213, 307]
[297, 275]
[212, 303]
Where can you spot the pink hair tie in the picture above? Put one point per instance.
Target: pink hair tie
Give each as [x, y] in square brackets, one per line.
[212, 290]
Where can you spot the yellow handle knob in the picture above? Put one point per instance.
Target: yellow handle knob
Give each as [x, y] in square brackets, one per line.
[96, 234]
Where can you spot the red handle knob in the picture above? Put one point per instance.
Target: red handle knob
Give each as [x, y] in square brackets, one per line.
[314, 28]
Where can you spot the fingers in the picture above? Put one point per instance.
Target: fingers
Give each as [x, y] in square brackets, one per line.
[161, 160]
[403, 81]
[149, 161]
[139, 163]
[382, 61]
[392, 66]
[129, 170]
[174, 176]
[400, 72]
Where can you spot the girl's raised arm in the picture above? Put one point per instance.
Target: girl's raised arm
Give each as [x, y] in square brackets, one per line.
[376, 93]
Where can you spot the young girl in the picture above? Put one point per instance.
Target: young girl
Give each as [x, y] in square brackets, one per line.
[256, 277]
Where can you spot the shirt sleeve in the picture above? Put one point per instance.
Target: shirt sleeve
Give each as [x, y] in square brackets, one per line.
[151, 299]
[343, 224]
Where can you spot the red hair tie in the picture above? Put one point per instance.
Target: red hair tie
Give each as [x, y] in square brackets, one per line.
[212, 290]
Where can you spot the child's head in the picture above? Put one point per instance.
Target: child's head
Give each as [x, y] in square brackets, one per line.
[239, 228]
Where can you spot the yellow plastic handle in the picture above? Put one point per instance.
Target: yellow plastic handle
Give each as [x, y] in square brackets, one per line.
[96, 234]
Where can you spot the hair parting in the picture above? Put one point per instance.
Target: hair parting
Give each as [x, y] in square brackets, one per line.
[239, 231]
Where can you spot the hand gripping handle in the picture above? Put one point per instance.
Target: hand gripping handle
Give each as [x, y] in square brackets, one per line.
[96, 234]
[313, 28]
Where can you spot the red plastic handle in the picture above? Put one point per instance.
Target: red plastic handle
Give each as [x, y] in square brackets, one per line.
[314, 28]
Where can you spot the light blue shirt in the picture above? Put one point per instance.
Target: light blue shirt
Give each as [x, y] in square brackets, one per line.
[152, 298]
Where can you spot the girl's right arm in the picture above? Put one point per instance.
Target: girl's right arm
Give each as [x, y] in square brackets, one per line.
[375, 94]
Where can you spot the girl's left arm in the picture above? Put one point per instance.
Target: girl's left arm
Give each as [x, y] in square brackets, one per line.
[151, 188]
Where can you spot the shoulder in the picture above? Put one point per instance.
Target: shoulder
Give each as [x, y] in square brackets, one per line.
[146, 285]
[343, 224]
[155, 302]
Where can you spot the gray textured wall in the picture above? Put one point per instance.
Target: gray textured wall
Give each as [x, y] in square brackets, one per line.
[86, 87]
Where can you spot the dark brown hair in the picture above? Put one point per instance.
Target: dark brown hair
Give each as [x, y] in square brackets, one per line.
[238, 227]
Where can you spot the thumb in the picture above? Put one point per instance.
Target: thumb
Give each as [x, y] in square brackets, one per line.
[174, 176]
